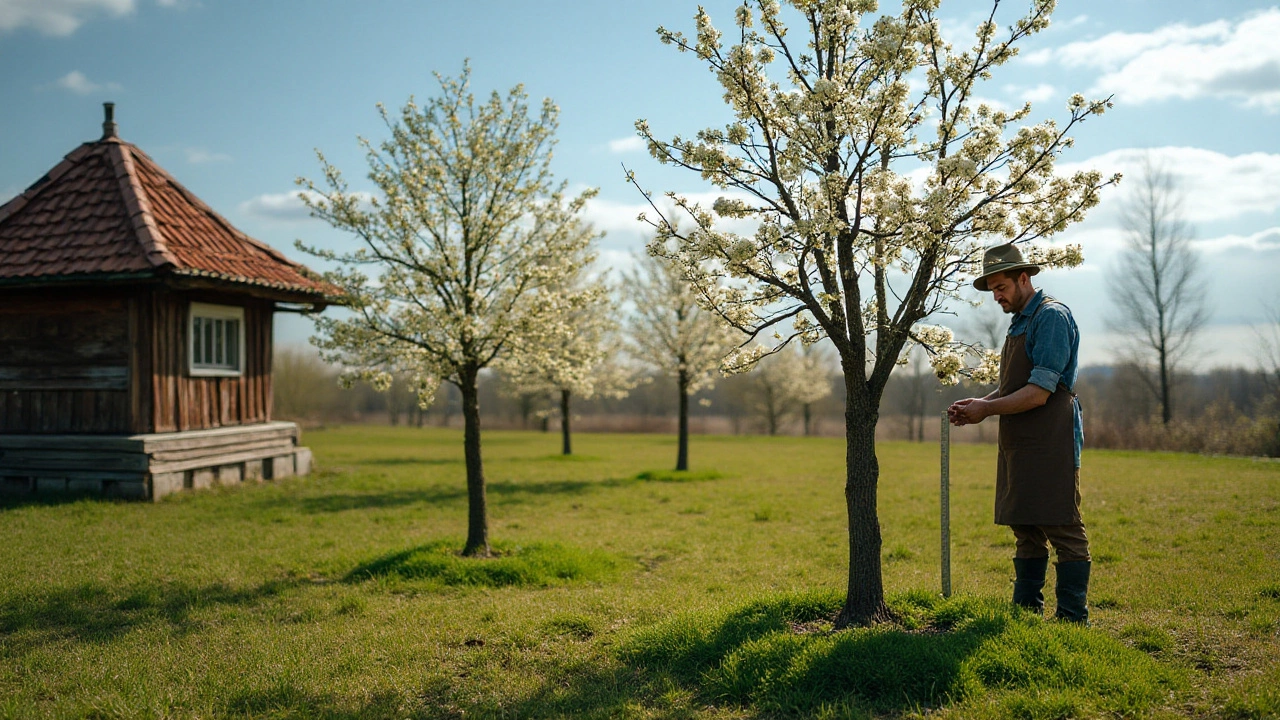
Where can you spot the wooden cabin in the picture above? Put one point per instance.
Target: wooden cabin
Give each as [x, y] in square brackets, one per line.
[136, 334]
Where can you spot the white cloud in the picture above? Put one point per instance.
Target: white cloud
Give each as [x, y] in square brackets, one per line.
[76, 82]
[616, 262]
[635, 143]
[1238, 61]
[1217, 186]
[288, 206]
[200, 156]
[1113, 50]
[1038, 57]
[285, 207]
[1077, 20]
[619, 220]
[1262, 241]
[57, 17]
[1039, 93]
[991, 102]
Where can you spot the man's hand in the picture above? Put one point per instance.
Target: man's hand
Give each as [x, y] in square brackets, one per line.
[968, 411]
[974, 410]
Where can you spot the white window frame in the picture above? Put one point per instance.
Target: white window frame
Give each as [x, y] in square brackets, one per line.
[214, 312]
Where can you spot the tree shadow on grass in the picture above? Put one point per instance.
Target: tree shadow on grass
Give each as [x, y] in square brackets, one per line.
[342, 502]
[93, 612]
[412, 461]
[286, 700]
[506, 490]
[14, 501]
[509, 491]
[582, 689]
[778, 655]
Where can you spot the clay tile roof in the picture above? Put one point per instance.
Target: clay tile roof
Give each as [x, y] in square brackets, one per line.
[108, 210]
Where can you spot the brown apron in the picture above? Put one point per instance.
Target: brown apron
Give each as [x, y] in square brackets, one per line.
[1036, 478]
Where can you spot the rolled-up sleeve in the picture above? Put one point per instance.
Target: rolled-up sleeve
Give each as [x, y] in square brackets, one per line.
[1049, 345]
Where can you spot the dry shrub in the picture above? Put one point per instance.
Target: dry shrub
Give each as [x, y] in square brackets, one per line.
[1219, 430]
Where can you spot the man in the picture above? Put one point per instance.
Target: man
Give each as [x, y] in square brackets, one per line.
[1041, 434]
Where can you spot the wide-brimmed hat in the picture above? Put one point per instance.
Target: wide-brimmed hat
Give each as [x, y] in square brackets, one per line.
[1002, 258]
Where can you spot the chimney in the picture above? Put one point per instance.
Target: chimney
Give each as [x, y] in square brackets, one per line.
[108, 120]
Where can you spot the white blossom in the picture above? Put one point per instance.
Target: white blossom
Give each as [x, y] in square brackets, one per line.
[829, 130]
[463, 254]
[820, 164]
[579, 356]
[668, 328]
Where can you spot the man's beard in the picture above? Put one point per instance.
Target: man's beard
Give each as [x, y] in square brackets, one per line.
[1016, 301]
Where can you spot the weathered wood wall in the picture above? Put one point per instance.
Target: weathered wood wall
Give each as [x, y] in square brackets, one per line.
[181, 402]
[64, 363]
[110, 362]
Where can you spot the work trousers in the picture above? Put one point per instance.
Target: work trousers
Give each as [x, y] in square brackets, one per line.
[1033, 541]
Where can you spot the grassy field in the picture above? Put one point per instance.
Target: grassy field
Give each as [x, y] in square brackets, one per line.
[626, 591]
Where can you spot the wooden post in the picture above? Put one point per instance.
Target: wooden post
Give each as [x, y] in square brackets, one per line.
[945, 493]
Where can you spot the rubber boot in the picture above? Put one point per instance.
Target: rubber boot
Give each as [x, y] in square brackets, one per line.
[1073, 587]
[1028, 581]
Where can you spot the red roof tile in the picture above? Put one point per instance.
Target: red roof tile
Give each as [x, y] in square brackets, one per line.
[108, 208]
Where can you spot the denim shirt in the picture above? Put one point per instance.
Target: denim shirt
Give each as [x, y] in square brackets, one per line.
[1053, 345]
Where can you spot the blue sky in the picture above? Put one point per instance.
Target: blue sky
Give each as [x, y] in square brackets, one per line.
[233, 96]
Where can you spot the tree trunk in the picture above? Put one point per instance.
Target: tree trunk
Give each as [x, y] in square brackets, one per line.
[682, 450]
[526, 409]
[808, 419]
[1166, 405]
[564, 422]
[864, 604]
[446, 410]
[477, 515]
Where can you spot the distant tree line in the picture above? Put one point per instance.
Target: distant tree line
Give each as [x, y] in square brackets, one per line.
[1234, 411]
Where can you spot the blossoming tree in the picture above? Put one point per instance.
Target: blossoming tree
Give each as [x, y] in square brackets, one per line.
[579, 361]
[461, 257]
[875, 176]
[816, 369]
[787, 382]
[671, 332]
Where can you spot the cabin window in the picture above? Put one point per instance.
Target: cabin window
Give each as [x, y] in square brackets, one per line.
[216, 340]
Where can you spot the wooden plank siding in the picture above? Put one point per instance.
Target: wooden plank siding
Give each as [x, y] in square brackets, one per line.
[182, 402]
[115, 362]
[141, 336]
[64, 363]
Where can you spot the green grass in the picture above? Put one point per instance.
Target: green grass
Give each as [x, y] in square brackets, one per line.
[341, 595]
[973, 657]
[678, 475]
[533, 565]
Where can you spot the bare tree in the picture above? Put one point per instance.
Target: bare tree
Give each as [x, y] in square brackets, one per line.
[989, 324]
[305, 388]
[915, 380]
[818, 369]
[785, 383]
[1268, 346]
[1159, 294]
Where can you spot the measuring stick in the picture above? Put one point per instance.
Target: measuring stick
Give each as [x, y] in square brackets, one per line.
[945, 441]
